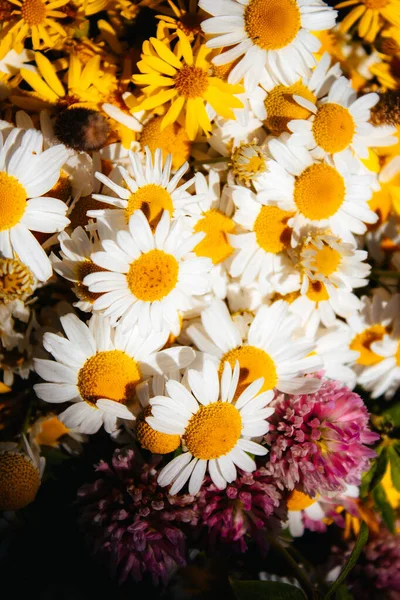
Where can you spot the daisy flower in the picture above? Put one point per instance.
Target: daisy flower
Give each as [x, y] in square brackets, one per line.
[374, 319]
[269, 34]
[215, 429]
[98, 367]
[378, 345]
[182, 83]
[326, 258]
[151, 190]
[372, 16]
[261, 251]
[76, 263]
[36, 19]
[213, 216]
[151, 276]
[270, 350]
[295, 182]
[274, 104]
[338, 122]
[26, 174]
[316, 513]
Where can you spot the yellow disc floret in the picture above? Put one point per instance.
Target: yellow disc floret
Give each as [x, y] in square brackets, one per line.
[191, 81]
[173, 139]
[282, 108]
[153, 275]
[272, 231]
[248, 161]
[317, 292]
[319, 192]
[16, 280]
[272, 24]
[34, 12]
[51, 430]
[362, 343]
[333, 128]
[213, 431]
[152, 440]
[324, 261]
[152, 199]
[12, 201]
[83, 268]
[19, 481]
[254, 363]
[110, 374]
[215, 245]
[299, 501]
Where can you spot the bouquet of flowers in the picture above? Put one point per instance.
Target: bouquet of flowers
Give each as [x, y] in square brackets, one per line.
[199, 297]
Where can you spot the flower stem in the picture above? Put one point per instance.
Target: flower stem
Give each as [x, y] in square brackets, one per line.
[210, 161]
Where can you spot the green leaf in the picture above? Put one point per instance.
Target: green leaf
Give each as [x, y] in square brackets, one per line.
[342, 593]
[359, 545]
[393, 412]
[265, 590]
[383, 506]
[394, 467]
[381, 466]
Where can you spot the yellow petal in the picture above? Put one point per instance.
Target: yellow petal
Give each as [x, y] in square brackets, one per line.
[4, 389]
[191, 122]
[173, 112]
[201, 57]
[165, 53]
[39, 85]
[155, 101]
[49, 74]
[202, 116]
[214, 97]
[185, 47]
[74, 72]
[352, 17]
[90, 71]
[152, 79]
[159, 65]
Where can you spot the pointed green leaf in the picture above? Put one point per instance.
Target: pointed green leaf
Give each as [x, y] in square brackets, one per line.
[265, 590]
[359, 545]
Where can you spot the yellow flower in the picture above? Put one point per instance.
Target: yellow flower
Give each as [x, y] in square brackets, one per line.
[371, 14]
[36, 19]
[186, 19]
[182, 81]
[90, 85]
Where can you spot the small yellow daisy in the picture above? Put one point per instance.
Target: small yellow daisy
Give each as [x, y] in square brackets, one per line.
[181, 81]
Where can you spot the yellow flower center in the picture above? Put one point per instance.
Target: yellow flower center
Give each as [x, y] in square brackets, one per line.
[281, 108]
[317, 292]
[362, 343]
[213, 431]
[34, 12]
[248, 161]
[333, 128]
[153, 275]
[272, 24]
[376, 4]
[12, 201]
[319, 192]
[171, 140]
[16, 280]
[272, 231]
[51, 431]
[254, 364]
[152, 199]
[155, 441]
[397, 355]
[86, 267]
[215, 245]
[191, 81]
[19, 481]
[299, 501]
[110, 374]
[325, 261]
